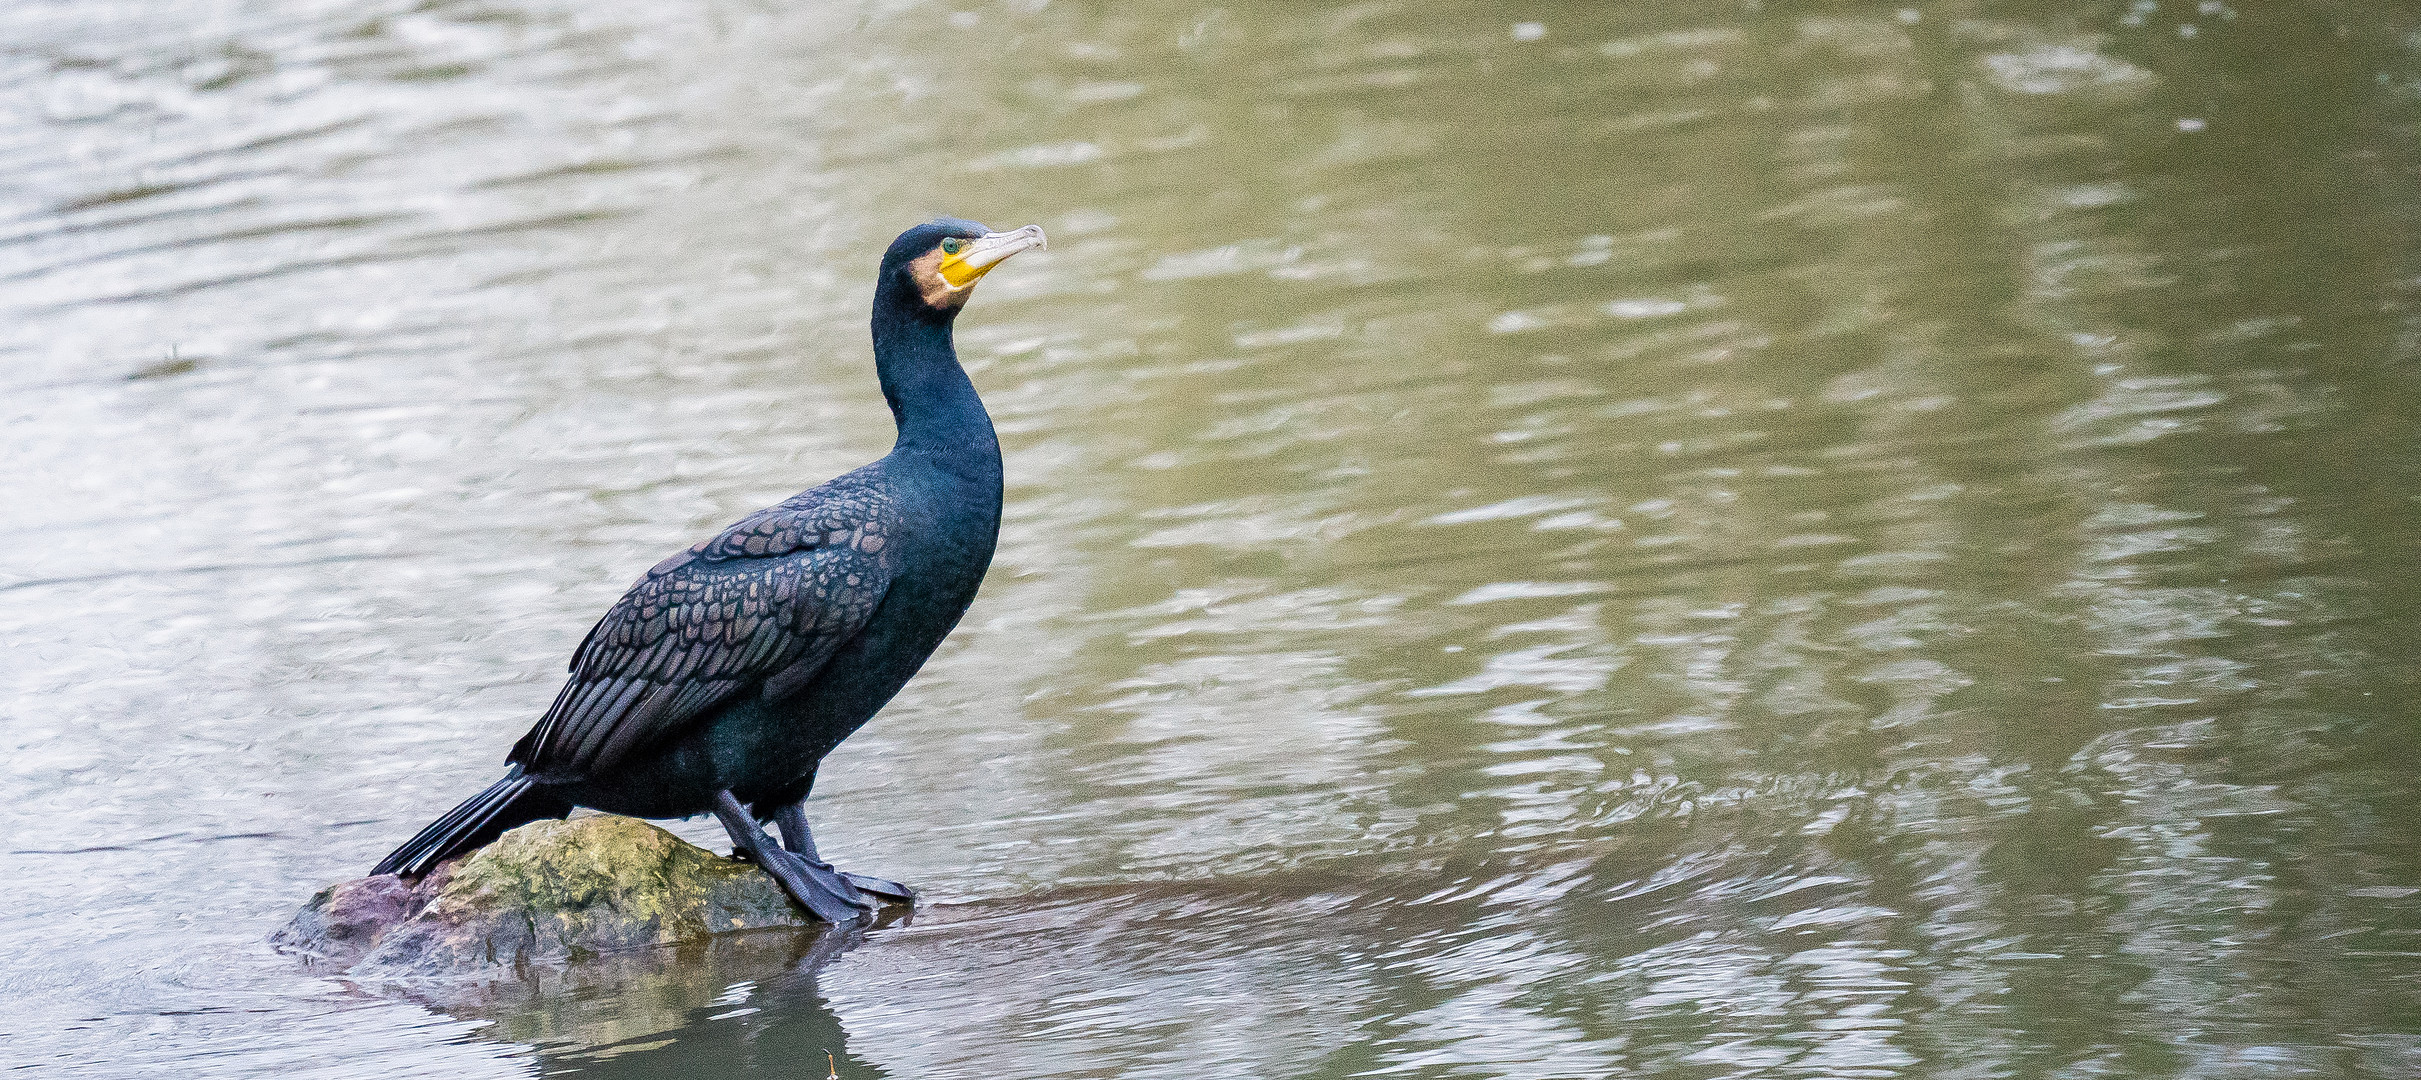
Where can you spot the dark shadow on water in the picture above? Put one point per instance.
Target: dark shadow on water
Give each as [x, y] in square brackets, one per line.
[737, 1005]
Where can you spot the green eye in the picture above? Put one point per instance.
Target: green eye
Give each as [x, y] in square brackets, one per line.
[950, 246]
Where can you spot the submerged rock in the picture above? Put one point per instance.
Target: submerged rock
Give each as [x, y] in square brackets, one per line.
[548, 892]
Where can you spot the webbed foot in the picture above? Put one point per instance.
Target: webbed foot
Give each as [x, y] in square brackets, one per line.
[820, 889]
[823, 891]
[801, 841]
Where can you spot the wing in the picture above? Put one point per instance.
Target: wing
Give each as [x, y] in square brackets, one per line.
[759, 607]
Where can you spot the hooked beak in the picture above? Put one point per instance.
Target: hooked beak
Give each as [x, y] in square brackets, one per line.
[980, 255]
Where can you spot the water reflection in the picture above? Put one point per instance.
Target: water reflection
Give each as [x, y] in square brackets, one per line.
[745, 1004]
[1693, 540]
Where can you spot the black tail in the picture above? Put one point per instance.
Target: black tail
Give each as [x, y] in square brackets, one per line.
[514, 800]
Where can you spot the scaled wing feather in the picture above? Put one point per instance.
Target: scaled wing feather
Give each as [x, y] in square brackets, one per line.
[758, 608]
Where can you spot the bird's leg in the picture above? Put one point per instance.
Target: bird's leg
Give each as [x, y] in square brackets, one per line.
[795, 835]
[816, 886]
[801, 842]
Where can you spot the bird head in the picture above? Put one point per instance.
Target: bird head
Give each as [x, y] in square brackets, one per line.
[939, 262]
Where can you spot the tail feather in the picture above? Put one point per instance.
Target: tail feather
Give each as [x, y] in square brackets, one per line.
[514, 800]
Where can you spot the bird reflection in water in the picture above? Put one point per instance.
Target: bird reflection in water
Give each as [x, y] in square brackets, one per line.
[740, 1004]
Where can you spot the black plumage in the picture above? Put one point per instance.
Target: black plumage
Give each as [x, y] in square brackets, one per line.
[758, 607]
[722, 678]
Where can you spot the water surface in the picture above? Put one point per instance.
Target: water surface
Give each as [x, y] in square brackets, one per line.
[1680, 540]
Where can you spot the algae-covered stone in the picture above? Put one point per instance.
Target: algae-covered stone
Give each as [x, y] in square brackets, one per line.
[547, 892]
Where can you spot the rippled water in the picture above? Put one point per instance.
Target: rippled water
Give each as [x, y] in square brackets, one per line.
[1682, 540]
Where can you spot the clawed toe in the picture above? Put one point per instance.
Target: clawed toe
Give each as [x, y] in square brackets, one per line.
[889, 890]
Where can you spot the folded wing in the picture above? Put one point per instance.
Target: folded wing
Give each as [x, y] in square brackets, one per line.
[756, 609]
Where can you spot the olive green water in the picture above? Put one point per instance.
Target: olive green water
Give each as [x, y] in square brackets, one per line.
[1666, 540]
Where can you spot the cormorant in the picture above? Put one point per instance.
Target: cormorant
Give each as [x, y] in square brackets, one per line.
[722, 678]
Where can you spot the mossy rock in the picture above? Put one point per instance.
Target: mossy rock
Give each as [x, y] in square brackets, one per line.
[550, 892]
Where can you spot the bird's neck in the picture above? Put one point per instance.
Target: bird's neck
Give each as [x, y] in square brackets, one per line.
[941, 420]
